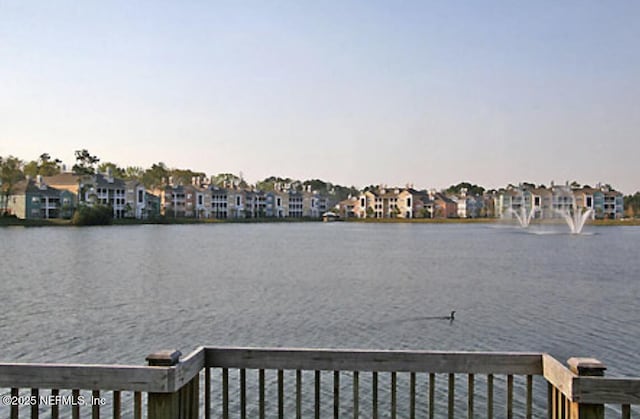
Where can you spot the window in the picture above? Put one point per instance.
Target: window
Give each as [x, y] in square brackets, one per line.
[238, 201]
[200, 200]
[140, 196]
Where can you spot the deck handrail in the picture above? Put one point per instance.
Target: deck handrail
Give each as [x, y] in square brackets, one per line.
[571, 386]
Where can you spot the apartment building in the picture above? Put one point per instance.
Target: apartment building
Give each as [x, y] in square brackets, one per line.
[34, 199]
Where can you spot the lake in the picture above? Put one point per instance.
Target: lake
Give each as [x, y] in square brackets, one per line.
[115, 294]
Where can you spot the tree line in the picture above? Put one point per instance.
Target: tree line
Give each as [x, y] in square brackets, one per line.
[14, 170]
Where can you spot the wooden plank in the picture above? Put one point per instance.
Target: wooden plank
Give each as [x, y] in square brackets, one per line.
[626, 411]
[88, 377]
[558, 375]
[225, 393]
[509, 396]
[529, 401]
[356, 395]
[470, 395]
[116, 405]
[374, 395]
[316, 384]
[298, 394]
[243, 394]
[261, 393]
[432, 393]
[75, 408]
[188, 368]
[602, 390]
[137, 405]
[452, 396]
[412, 395]
[35, 411]
[389, 361]
[95, 409]
[490, 396]
[336, 394]
[55, 409]
[280, 394]
[15, 407]
[207, 393]
[394, 405]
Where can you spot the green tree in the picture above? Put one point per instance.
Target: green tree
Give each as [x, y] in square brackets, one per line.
[226, 179]
[156, 176]
[134, 173]
[10, 174]
[84, 169]
[116, 170]
[44, 166]
[471, 188]
[184, 176]
[632, 205]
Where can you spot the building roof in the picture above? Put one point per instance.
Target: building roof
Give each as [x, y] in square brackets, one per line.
[32, 187]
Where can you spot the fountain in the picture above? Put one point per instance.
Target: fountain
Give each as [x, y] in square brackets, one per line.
[523, 218]
[576, 220]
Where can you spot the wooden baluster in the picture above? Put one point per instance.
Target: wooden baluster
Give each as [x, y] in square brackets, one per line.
[261, 393]
[317, 394]
[116, 405]
[626, 411]
[35, 411]
[490, 396]
[529, 411]
[55, 408]
[393, 395]
[452, 391]
[356, 395]
[412, 395]
[509, 396]
[336, 394]
[137, 405]
[374, 395]
[298, 394]
[75, 407]
[243, 393]
[95, 408]
[280, 394]
[586, 367]
[470, 391]
[225, 393]
[207, 393]
[15, 407]
[432, 394]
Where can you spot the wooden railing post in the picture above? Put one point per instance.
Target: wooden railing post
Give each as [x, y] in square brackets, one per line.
[164, 405]
[586, 367]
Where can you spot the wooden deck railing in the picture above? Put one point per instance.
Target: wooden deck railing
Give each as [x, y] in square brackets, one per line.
[284, 383]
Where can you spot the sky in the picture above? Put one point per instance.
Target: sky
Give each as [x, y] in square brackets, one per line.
[429, 93]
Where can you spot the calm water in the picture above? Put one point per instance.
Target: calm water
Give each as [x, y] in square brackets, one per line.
[116, 294]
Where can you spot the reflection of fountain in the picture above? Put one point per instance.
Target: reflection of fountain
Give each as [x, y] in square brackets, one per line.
[523, 218]
[576, 220]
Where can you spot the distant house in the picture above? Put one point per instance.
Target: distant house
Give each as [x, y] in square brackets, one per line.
[443, 206]
[101, 189]
[34, 199]
[347, 207]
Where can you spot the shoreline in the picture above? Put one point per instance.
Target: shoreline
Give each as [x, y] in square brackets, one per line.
[14, 222]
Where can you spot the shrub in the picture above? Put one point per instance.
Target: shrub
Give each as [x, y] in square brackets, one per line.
[91, 216]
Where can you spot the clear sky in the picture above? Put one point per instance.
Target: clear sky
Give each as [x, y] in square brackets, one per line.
[356, 93]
